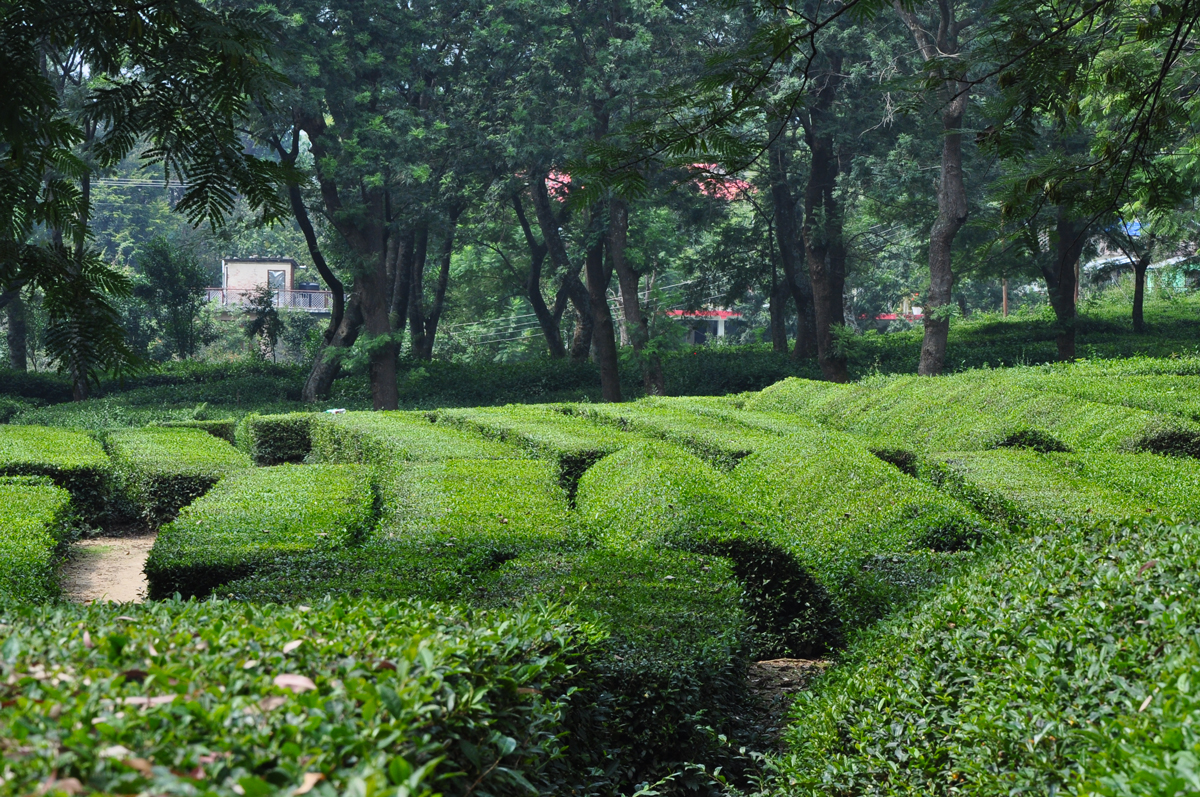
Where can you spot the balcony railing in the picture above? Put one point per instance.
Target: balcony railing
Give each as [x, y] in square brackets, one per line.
[311, 301]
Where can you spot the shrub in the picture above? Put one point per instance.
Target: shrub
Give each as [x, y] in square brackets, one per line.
[670, 673]
[1059, 666]
[542, 432]
[387, 439]
[255, 516]
[363, 697]
[1170, 484]
[1026, 489]
[160, 471]
[34, 526]
[275, 439]
[11, 407]
[73, 460]
[867, 533]
[671, 662]
[658, 496]
[1126, 383]
[224, 429]
[721, 443]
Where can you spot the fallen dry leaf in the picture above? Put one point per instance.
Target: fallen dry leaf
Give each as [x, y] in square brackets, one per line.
[251, 664]
[64, 786]
[295, 643]
[271, 703]
[297, 683]
[311, 779]
[127, 618]
[140, 764]
[87, 640]
[116, 751]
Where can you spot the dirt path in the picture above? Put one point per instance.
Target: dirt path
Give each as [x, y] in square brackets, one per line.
[107, 568]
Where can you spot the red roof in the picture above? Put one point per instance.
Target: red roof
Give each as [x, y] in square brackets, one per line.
[703, 314]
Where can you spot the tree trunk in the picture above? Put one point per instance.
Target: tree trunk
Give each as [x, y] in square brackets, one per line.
[791, 251]
[327, 364]
[952, 192]
[416, 297]
[778, 310]
[1061, 282]
[18, 344]
[636, 323]
[1139, 294]
[549, 321]
[824, 249]
[439, 294]
[575, 290]
[603, 333]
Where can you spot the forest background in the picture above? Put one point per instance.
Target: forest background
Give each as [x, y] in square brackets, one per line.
[504, 182]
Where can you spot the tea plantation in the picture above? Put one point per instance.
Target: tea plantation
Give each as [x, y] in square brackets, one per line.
[567, 598]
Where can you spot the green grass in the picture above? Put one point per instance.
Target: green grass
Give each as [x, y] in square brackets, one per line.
[185, 698]
[161, 470]
[35, 519]
[1062, 665]
[256, 516]
[73, 460]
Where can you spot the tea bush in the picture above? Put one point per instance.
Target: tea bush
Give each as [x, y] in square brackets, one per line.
[226, 698]
[73, 460]
[867, 533]
[1026, 489]
[160, 471]
[545, 433]
[255, 516]
[1063, 665]
[655, 496]
[388, 439]
[225, 429]
[717, 441]
[35, 523]
[275, 439]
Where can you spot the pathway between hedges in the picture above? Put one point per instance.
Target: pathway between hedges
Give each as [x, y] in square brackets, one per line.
[107, 569]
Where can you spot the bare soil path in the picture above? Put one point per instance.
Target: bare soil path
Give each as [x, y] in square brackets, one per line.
[107, 569]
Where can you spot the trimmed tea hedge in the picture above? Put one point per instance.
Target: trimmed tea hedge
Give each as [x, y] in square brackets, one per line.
[1025, 489]
[978, 410]
[1171, 484]
[671, 662]
[670, 673]
[160, 471]
[73, 460]
[228, 698]
[721, 443]
[34, 526]
[867, 533]
[545, 433]
[1063, 666]
[386, 439]
[275, 439]
[255, 516]
[658, 496]
[225, 429]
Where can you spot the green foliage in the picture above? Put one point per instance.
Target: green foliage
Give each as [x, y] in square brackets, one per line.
[371, 697]
[272, 439]
[388, 439]
[867, 533]
[35, 518]
[717, 441]
[543, 432]
[161, 470]
[978, 410]
[670, 673]
[255, 516]
[655, 496]
[1029, 490]
[75, 461]
[225, 429]
[1062, 665]
[172, 286]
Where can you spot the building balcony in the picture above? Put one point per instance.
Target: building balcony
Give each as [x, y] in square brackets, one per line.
[308, 300]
